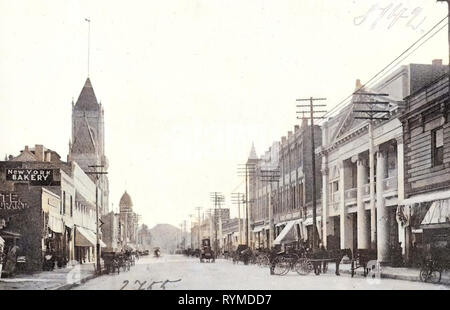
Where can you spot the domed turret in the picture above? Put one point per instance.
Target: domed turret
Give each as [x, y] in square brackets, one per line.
[125, 203]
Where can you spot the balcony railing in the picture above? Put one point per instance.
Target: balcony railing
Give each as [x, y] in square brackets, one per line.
[335, 197]
[390, 184]
[350, 194]
[366, 190]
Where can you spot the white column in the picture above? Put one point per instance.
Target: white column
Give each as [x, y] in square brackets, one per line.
[401, 188]
[373, 219]
[343, 211]
[270, 217]
[400, 170]
[325, 189]
[363, 237]
[382, 212]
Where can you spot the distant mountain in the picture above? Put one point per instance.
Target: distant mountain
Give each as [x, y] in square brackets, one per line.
[167, 237]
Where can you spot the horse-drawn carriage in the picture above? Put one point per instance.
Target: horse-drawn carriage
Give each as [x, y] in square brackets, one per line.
[242, 254]
[365, 259]
[115, 260]
[206, 253]
[304, 260]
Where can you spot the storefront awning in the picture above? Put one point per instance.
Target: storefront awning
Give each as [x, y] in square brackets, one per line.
[2, 242]
[287, 234]
[9, 234]
[87, 238]
[130, 247]
[55, 224]
[438, 215]
[440, 195]
[258, 229]
[281, 223]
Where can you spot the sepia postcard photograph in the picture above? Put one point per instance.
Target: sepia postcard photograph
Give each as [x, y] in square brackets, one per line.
[199, 146]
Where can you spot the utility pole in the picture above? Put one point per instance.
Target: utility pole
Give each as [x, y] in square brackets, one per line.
[249, 170]
[217, 198]
[97, 226]
[237, 198]
[372, 110]
[269, 176]
[190, 226]
[313, 156]
[448, 18]
[199, 225]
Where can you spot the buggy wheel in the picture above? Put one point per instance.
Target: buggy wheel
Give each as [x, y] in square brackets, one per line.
[282, 267]
[263, 261]
[303, 267]
[427, 274]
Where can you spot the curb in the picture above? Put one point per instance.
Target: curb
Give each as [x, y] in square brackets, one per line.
[72, 285]
[401, 277]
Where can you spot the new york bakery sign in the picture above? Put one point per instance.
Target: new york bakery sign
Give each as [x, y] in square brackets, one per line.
[32, 176]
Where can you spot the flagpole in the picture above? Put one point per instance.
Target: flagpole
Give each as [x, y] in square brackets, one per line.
[89, 43]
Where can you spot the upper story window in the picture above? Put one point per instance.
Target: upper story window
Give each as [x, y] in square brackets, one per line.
[437, 136]
[71, 206]
[64, 203]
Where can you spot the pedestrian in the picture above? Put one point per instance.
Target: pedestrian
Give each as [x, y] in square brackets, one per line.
[273, 254]
[11, 260]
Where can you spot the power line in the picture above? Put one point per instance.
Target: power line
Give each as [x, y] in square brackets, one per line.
[345, 100]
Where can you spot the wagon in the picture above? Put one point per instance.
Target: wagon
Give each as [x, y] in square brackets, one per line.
[111, 262]
[206, 253]
[243, 253]
[363, 259]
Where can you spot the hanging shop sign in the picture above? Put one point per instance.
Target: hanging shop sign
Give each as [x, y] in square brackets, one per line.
[11, 203]
[32, 176]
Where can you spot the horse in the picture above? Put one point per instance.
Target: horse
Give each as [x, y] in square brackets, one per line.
[324, 256]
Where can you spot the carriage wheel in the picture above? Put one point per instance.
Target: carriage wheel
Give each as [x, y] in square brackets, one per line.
[282, 267]
[303, 267]
[429, 275]
[263, 261]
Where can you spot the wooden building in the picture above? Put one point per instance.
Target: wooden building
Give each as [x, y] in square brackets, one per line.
[426, 131]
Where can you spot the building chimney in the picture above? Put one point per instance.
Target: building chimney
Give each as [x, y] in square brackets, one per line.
[39, 152]
[10, 157]
[48, 156]
[27, 149]
[437, 62]
[296, 128]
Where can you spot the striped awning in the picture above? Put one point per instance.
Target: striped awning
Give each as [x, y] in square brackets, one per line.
[86, 238]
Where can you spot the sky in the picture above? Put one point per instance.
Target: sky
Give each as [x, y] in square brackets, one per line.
[188, 85]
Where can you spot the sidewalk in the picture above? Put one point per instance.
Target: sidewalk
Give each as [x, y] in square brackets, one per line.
[399, 273]
[58, 279]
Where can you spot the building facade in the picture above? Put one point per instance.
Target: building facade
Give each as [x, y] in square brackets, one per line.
[47, 206]
[281, 190]
[424, 214]
[129, 220]
[231, 237]
[363, 166]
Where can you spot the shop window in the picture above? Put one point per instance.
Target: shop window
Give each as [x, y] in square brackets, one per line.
[438, 146]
